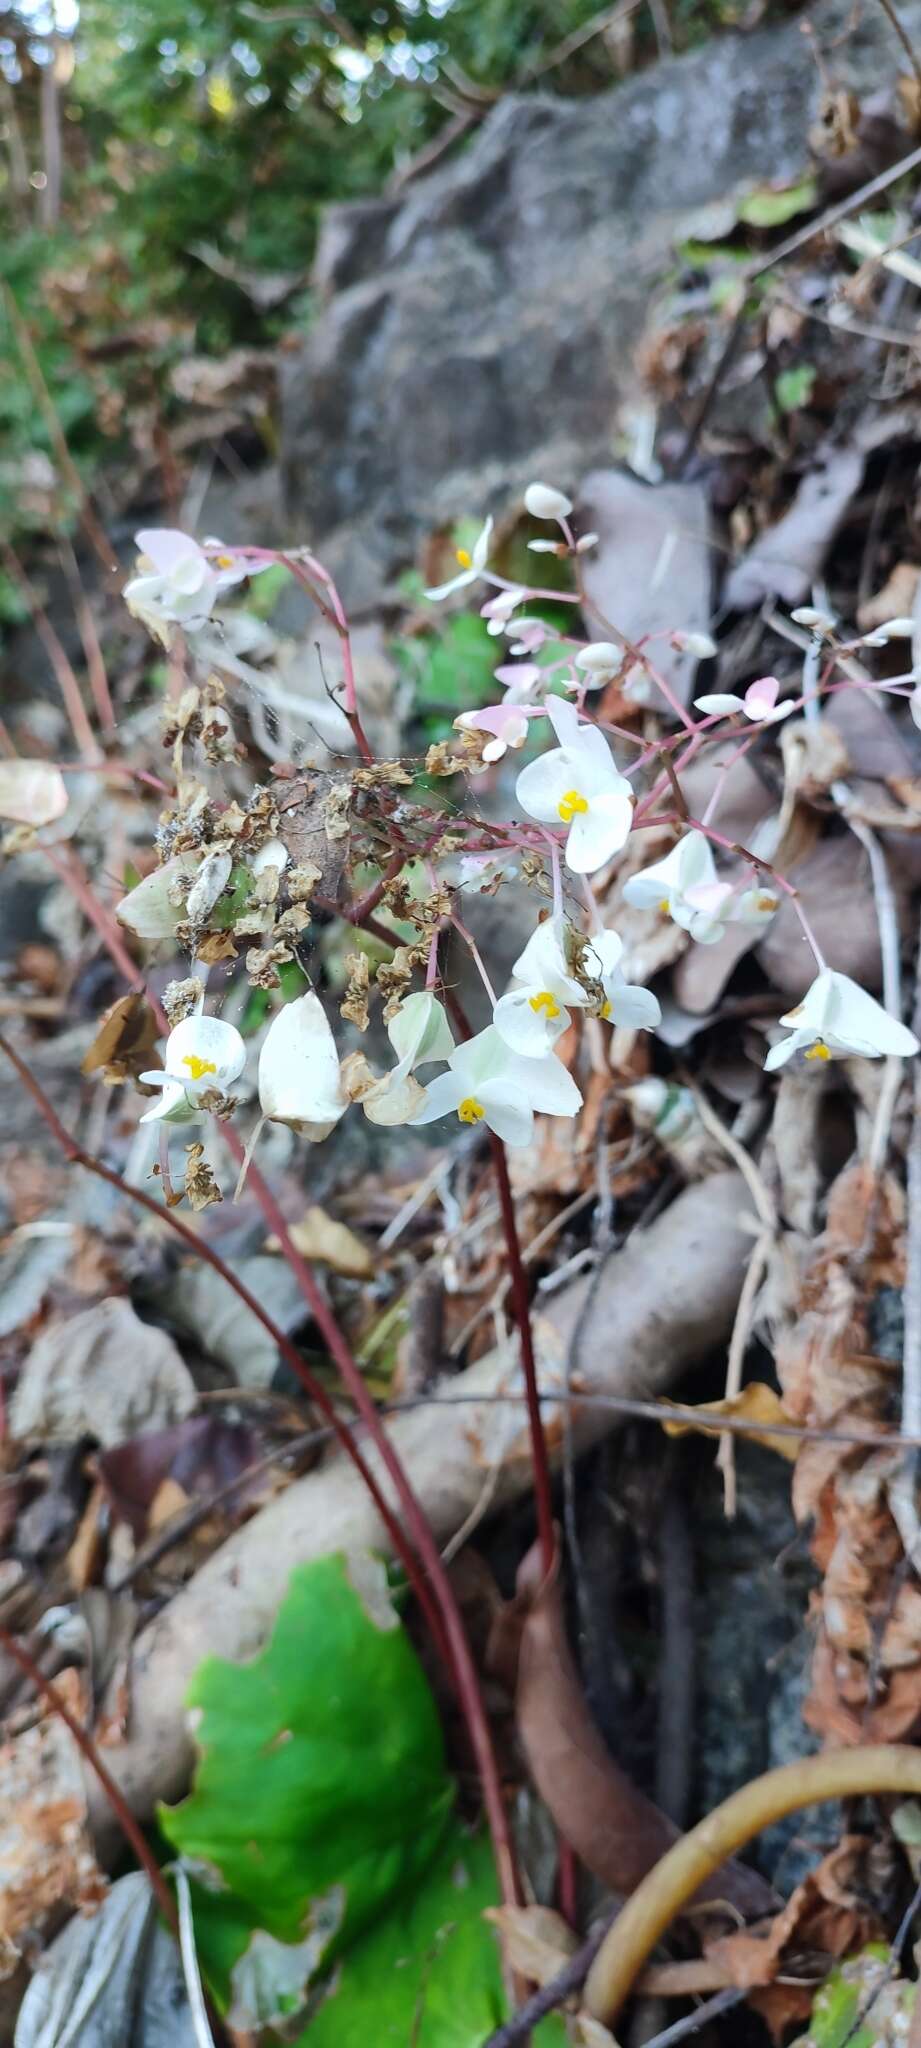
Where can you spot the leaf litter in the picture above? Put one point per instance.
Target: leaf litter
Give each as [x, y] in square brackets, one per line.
[169, 1398]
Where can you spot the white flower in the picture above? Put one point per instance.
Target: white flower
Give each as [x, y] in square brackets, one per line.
[599, 661]
[519, 679]
[589, 540]
[471, 565]
[534, 1011]
[177, 583]
[487, 1083]
[837, 1019]
[299, 1080]
[531, 635]
[577, 784]
[506, 722]
[624, 1002]
[759, 702]
[756, 905]
[685, 887]
[202, 1054]
[497, 611]
[543, 502]
[699, 644]
[420, 1032]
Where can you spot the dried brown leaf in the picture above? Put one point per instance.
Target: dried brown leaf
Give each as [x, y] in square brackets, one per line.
[787, 557]
[125, 1044]
[46, 1857]
[757, 1404]
[318, 1236]
[616, 1831]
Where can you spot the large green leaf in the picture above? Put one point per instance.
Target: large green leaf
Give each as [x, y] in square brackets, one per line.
[321, 1792]
[429, 1972]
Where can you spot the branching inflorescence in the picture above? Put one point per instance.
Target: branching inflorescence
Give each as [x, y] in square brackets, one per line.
[366, 841]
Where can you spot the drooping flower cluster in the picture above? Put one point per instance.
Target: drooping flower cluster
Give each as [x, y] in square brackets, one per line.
[178, 582]
[576, 806]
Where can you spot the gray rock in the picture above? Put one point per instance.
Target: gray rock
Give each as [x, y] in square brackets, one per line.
[478, 328]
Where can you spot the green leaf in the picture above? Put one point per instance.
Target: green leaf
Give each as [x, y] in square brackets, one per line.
[234, 900]
[793, 388]
[265, 590]
[458, 669]
[321, 1792]
[772, 206]
[429, 1972]
[846, 1993]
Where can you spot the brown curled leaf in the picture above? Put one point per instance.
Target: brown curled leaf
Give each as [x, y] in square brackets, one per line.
[616, 1831]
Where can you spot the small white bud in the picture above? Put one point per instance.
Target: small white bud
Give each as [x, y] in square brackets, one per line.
[543, 502]
[699, 644]
[806, 615]
[600, 657]
[898, 629]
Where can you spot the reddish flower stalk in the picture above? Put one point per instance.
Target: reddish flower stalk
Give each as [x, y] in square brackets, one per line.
[543, 1494]
[334, 613]
[417, 1521]
[314, 1387]
[434, 1591]
[133, 1832]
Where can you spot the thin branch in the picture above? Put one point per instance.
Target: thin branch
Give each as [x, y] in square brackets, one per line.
[33, 369]
[292, 1357]
[427, 1549]
[903, 36]
[84, 737]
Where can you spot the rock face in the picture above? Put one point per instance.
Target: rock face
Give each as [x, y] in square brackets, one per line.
[478, 328]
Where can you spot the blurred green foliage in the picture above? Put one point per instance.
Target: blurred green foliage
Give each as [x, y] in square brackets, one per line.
[163, 166]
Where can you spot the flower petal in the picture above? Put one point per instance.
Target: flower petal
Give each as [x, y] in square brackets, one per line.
[167, 548]
[597, 834]
[526, 1030]
[442, 1095]
[542, 785]
[634, 1006]
[507, 1112]
[550, 1086]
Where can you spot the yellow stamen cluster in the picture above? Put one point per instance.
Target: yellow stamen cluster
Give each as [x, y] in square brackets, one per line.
[818, 1051]
[224, 561]
[544, 1001]
[765, 902]
[464, 557]
[471, 1111]
[605, 1011]
[665, 906]
[197, 1067]
[571, 804]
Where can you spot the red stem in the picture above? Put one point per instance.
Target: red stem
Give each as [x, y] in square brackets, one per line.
[126, 1820]
[543, 1491]
[315, 1388]
[334, 613]
[426, 1546]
